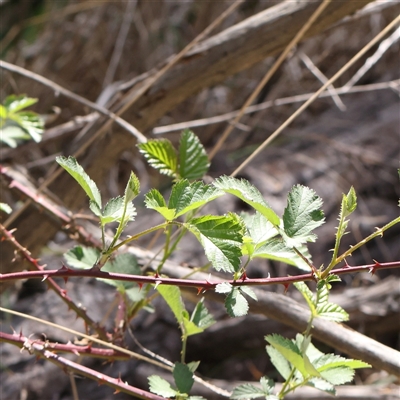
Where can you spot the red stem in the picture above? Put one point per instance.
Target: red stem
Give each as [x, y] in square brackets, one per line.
[201, 285]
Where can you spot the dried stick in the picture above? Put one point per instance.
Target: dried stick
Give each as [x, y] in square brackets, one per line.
[383, 47]
[67, 93]
[268, 75]
[272, 103]
[323, 79]
[120, 42]
[375, 40]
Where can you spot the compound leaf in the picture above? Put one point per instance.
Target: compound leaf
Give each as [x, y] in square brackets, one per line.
[77, 172]
[302, 215]
[161, 155]
[245, 191]
[193, 160]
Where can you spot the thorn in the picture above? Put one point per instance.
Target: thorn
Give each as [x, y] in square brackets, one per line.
[157, 283]
[63, 292]
[65, 279]
[244, 276]
[373, 269]
[156, 275]
[44, 277]
[286, 285]
[140, 285]
[347, 264]
[199, 290]
[64, 268]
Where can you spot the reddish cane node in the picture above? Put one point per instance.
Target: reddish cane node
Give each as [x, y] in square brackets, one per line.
[244, 276]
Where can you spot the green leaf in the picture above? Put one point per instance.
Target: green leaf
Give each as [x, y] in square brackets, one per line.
[247, 391]
[184, 197]
[289, 350]
[328, 361]
[267, 385]
[349, 204]
[279, 362]
[11, 134]
[114, 211]
[193, 160]
[221, 238]
[338, 375]
[260, 230]
[5, 208]
[160, 386]
[187, 196]
[3, 114]
[201, 316]
[161, 155]
[124, 263]
[193, 365]
[249, 291]
[183, 377]
[302, 215]
[223, 287]
[327, 310]
[15, 103]
[308, 295]
[245, 191]
[132, 188]
[322, 385]
[172, 296]
[81, 257]
[276, 249]
[77, 172]
[31, 122]
[236, 304]
[155, 201]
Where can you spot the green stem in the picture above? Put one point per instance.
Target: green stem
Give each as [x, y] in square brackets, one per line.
[184, 344]
[283, 391]
[138, 235]
[378, 232]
